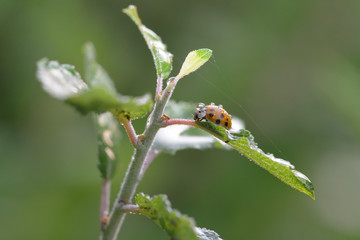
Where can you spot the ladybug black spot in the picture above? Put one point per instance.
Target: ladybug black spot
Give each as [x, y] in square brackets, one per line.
[222, 116]
[226, 124]
[211, 115]
[217, 121]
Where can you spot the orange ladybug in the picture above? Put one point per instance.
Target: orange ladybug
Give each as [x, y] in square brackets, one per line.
[214, 114]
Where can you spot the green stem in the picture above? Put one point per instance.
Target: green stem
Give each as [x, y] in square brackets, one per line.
[133, 177]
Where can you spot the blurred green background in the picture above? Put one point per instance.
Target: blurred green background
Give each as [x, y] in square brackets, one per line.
[289, 69]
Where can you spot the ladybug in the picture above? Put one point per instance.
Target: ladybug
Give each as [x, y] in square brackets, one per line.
[214, 114]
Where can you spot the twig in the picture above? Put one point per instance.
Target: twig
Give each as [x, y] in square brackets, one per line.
[179, 121]
[130, 130]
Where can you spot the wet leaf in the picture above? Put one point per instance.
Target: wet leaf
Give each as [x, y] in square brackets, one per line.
[244, 143]
[162, 58]
[60, 81]
[177, 225]
[109, 135]
[194, 60]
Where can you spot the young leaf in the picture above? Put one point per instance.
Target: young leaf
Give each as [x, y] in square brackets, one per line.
[162, 58]
[177, 225]
[194, 60]
[244, 143]
[108, 134]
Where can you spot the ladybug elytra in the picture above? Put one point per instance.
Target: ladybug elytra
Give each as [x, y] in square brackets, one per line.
[214, 114]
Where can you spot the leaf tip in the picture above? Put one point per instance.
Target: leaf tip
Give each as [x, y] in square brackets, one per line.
[131, 11]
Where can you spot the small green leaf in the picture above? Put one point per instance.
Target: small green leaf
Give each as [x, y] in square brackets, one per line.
[158, 209]
[244, 143]
[194, 60]
[177, 225]
[109, 135]
[162, 58]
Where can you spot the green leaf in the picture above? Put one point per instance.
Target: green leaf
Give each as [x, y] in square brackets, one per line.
[244, 143]
[60, 81]
[194, 60]
[98, 95]
[133, 107]
[93, 100]
[109, 135]
[177, 225]
[162, 58]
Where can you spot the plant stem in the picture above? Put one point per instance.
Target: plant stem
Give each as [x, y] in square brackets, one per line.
[179, 121]
[159, 83]
[133, 177]
[130, 130]
[104, 201]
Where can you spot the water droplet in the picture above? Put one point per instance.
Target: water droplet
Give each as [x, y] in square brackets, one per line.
[230, 136]
[304, 179]
[200, 105]
[280, 161]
